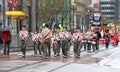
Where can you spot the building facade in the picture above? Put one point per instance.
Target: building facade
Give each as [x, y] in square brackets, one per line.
[118, 8]
[109, 9]
[80, 18]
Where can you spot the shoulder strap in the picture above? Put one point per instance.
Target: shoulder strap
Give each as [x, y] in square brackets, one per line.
[46, 35]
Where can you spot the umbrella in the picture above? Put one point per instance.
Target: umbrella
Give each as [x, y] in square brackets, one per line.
[7, 28]
[1, 30]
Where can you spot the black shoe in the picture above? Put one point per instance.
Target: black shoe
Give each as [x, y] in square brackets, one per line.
[35, 55]
[78, 56]
[40, 55]
[23, 56]
[75, 55]
[47, 57]
[55, 55]
[58, 55]
[65, 56]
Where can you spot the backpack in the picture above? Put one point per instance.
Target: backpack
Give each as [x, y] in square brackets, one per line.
[9, 38]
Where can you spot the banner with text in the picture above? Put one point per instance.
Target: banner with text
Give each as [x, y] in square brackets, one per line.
[96, 19]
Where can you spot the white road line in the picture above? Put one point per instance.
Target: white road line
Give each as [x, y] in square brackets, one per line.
[113, 54]
[107, 59]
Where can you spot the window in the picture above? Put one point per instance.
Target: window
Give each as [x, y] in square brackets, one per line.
[107, 8]
[108, 13]
[107, 2]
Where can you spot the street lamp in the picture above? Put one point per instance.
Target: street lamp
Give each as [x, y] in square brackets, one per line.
[88, 15]
[37, 15]
[4, 17]
[73, 4]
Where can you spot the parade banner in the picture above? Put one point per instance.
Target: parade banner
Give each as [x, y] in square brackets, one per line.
[96, 24]
[12, 3]
[96, 19]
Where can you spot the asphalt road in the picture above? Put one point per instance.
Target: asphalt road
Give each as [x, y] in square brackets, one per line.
[106, 60]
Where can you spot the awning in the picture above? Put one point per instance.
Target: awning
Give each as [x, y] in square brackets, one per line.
[16, 14]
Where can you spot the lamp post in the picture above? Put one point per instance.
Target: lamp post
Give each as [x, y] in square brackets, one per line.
[37, 15]
[88, 15]
[4, 17]
[73, 4]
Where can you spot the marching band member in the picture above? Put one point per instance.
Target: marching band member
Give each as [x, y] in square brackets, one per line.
[40, 45]
[35, 39]
[89, 36]
[69, 41]
[84, 41]
[116, 38]
[64, 42]
[77, 39]
[54, 43]
[46, 39]
[93, 41]
[58, 41]
[23, 34]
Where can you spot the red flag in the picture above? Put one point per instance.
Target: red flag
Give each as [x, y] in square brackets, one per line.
[13, 3]
[9, 3]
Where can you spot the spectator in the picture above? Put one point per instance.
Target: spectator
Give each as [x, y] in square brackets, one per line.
[7, 38]
[1, 42]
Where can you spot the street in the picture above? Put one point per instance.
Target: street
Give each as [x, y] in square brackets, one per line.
[106, 60]
[37, 25]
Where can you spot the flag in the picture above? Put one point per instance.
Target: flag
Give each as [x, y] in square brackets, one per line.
[9, 2]
[12, 3]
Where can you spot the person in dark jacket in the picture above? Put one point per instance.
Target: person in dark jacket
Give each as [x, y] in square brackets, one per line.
[107, 40]
[7, 38]
[1, 42]
[97, 39]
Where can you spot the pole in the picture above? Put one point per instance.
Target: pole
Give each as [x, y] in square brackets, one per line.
[82, 24]
[73, 18]
[37, 15]
[4, 17]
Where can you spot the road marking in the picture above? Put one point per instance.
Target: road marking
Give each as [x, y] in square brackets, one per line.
[107, 59]
[20, 67]
[114, 54]
[61, 67]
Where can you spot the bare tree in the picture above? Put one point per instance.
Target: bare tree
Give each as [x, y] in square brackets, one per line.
[48, 9]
